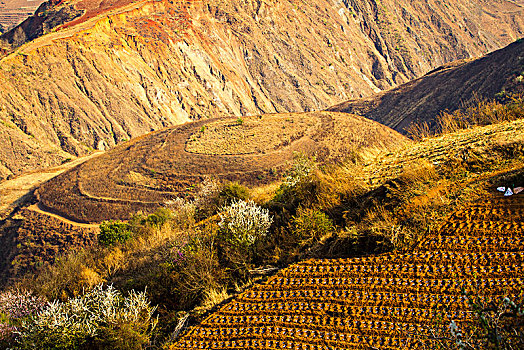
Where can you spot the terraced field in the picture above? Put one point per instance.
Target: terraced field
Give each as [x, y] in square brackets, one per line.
[142, 174]
[389, 301]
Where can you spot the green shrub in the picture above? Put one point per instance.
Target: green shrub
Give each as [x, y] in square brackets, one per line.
[310, 225]
[158, 218]
[112, 232]
[232, 191]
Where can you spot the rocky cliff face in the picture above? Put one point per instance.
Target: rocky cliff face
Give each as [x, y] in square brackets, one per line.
[124, 69]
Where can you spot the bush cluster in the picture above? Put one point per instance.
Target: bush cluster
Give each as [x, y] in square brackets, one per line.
[244, 222]
[16, 307]
[310, 225]
[101, 319]
[113, 232]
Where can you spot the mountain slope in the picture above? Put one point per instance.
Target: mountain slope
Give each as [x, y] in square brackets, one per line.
[125, 68]
[447, 88]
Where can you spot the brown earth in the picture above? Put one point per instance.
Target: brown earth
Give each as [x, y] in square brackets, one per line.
[125, 69]
[447, 88]
[18, 191]
[33, 238]
[142, 174]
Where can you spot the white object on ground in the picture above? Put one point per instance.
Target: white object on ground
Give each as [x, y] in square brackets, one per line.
[508, 192]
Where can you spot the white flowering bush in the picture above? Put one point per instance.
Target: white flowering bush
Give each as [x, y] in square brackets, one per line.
[244, 222]
[100, 319]
[302, 170]
[20, 304]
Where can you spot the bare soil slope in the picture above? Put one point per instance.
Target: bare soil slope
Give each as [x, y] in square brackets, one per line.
[144, 173]
[449, 87]
[123, 69]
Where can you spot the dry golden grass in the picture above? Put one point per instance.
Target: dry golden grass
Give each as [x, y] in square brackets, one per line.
[251, 135]
[391, 203]
[263, 194]
[481, 112]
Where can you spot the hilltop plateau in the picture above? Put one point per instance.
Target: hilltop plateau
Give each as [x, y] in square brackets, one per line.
[98, 73]
[145, 173]
[448, 88]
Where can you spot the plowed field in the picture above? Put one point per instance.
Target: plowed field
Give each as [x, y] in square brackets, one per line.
[382, 302]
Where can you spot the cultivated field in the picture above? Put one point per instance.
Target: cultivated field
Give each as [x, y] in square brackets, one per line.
[401, 299]
[387, 301]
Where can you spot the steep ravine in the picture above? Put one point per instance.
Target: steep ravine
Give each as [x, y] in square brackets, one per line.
[151, 64]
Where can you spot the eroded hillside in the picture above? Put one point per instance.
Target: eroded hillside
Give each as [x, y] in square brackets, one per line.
[128, 68]
[448, 88]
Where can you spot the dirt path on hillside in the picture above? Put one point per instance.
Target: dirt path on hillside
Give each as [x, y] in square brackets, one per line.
[18, 191]
[39, 208]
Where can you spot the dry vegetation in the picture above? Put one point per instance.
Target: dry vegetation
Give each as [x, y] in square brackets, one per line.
[392, 204]
[389, 301]
[482, 112]
[41, 238]
[404, 256]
